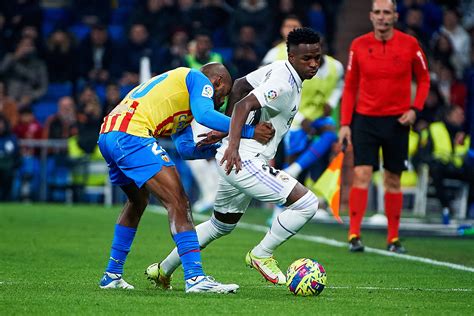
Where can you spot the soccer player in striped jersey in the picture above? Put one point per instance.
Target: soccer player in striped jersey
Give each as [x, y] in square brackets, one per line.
[164, 106]
[271, 93]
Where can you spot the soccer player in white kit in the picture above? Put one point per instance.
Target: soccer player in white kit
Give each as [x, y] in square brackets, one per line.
[272, 94]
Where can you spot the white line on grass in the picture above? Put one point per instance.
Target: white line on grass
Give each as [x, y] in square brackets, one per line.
[373, 288]
[397, 289]
[333, 242]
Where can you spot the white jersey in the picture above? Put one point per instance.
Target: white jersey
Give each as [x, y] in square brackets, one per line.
[277, 88]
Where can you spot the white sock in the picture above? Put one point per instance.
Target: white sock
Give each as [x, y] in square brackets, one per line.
[207, 231]
[294, 170]
[288, 223]
[277, 210]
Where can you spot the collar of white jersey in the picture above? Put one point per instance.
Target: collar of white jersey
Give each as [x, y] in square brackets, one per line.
[294, 75]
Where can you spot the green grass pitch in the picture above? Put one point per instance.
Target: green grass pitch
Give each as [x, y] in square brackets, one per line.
[52, 257]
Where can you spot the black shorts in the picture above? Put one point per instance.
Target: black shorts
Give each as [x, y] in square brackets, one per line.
[370, 133]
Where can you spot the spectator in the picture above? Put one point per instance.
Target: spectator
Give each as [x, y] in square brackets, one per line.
[9, 158]
[444, 148]
[8, 106]
[433, 109]
[173, 56]
[203, 53]
[28, 126]
[19, 13]
[88, 123]
[247, 53]
[460, 39]
[279, 51]
[25, 73]
[139, 45]
[414, 26]
[112, 98]
[60, 57]
[453, 90]
[159, 16]
[29, 175]
[187, 16]
[257, 14]
[215, 16]
[97, 56]
[442, 49]
[377, 111]
[62, 124]
[87, 95]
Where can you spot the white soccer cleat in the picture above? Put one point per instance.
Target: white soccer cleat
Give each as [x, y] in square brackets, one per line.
[114, 281]
[207, 284]
[268, 268]
[158, 277]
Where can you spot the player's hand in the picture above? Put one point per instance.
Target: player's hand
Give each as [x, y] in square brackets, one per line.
[264, 132]
[232, 158]
[345, 134]
[211, 137]
[407, 118]
[460, 138]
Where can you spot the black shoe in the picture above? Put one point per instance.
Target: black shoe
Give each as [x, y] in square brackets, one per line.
[396, 247]
[355, 245]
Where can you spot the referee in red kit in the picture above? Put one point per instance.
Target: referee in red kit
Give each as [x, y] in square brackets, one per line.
[377, 112]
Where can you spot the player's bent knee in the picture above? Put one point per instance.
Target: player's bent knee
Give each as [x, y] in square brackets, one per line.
[222, 228]
[307, 205]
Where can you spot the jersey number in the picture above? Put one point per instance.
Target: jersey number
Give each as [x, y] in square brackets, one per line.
[145, 87]
[272, 171]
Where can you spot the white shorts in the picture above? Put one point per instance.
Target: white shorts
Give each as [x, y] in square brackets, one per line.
[256, 180]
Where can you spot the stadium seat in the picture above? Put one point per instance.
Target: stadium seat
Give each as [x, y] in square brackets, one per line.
[44, 109]
[120, 15]
[52, 19]
[57, 91]
[80, 31]
[124, 90]
[225, 52]
[116, 32]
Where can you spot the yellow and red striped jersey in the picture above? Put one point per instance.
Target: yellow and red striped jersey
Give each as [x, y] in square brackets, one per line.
[157, 107]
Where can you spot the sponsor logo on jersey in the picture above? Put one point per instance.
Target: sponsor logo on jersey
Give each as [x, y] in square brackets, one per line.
[271, 95]
[207, 91]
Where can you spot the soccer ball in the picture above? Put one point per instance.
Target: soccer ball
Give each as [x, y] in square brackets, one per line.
[306, 277]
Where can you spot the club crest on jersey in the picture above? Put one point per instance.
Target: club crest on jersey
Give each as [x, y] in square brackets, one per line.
[207, 91]
[165, 158]
[284, 177]
[271, 95]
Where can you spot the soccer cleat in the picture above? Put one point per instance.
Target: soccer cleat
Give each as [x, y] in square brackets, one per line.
[157, 276]
[114, 281]
[268, 267]
[396, 246]
[207, 284]
[355, 244]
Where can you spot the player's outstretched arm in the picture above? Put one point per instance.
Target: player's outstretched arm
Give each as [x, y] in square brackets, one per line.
[188, 149]
[239, 116]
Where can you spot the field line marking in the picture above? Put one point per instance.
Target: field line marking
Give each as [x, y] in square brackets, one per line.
[333, 242]
[398, 289]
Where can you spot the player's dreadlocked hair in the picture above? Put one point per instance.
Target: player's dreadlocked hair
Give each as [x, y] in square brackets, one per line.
[304, 35]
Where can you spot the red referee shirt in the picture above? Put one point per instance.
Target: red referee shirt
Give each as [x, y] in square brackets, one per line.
[379, 75]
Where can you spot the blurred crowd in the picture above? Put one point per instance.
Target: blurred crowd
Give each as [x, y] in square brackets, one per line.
[64, 64]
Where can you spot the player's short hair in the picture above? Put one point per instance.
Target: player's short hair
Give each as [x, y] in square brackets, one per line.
[303, 35]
